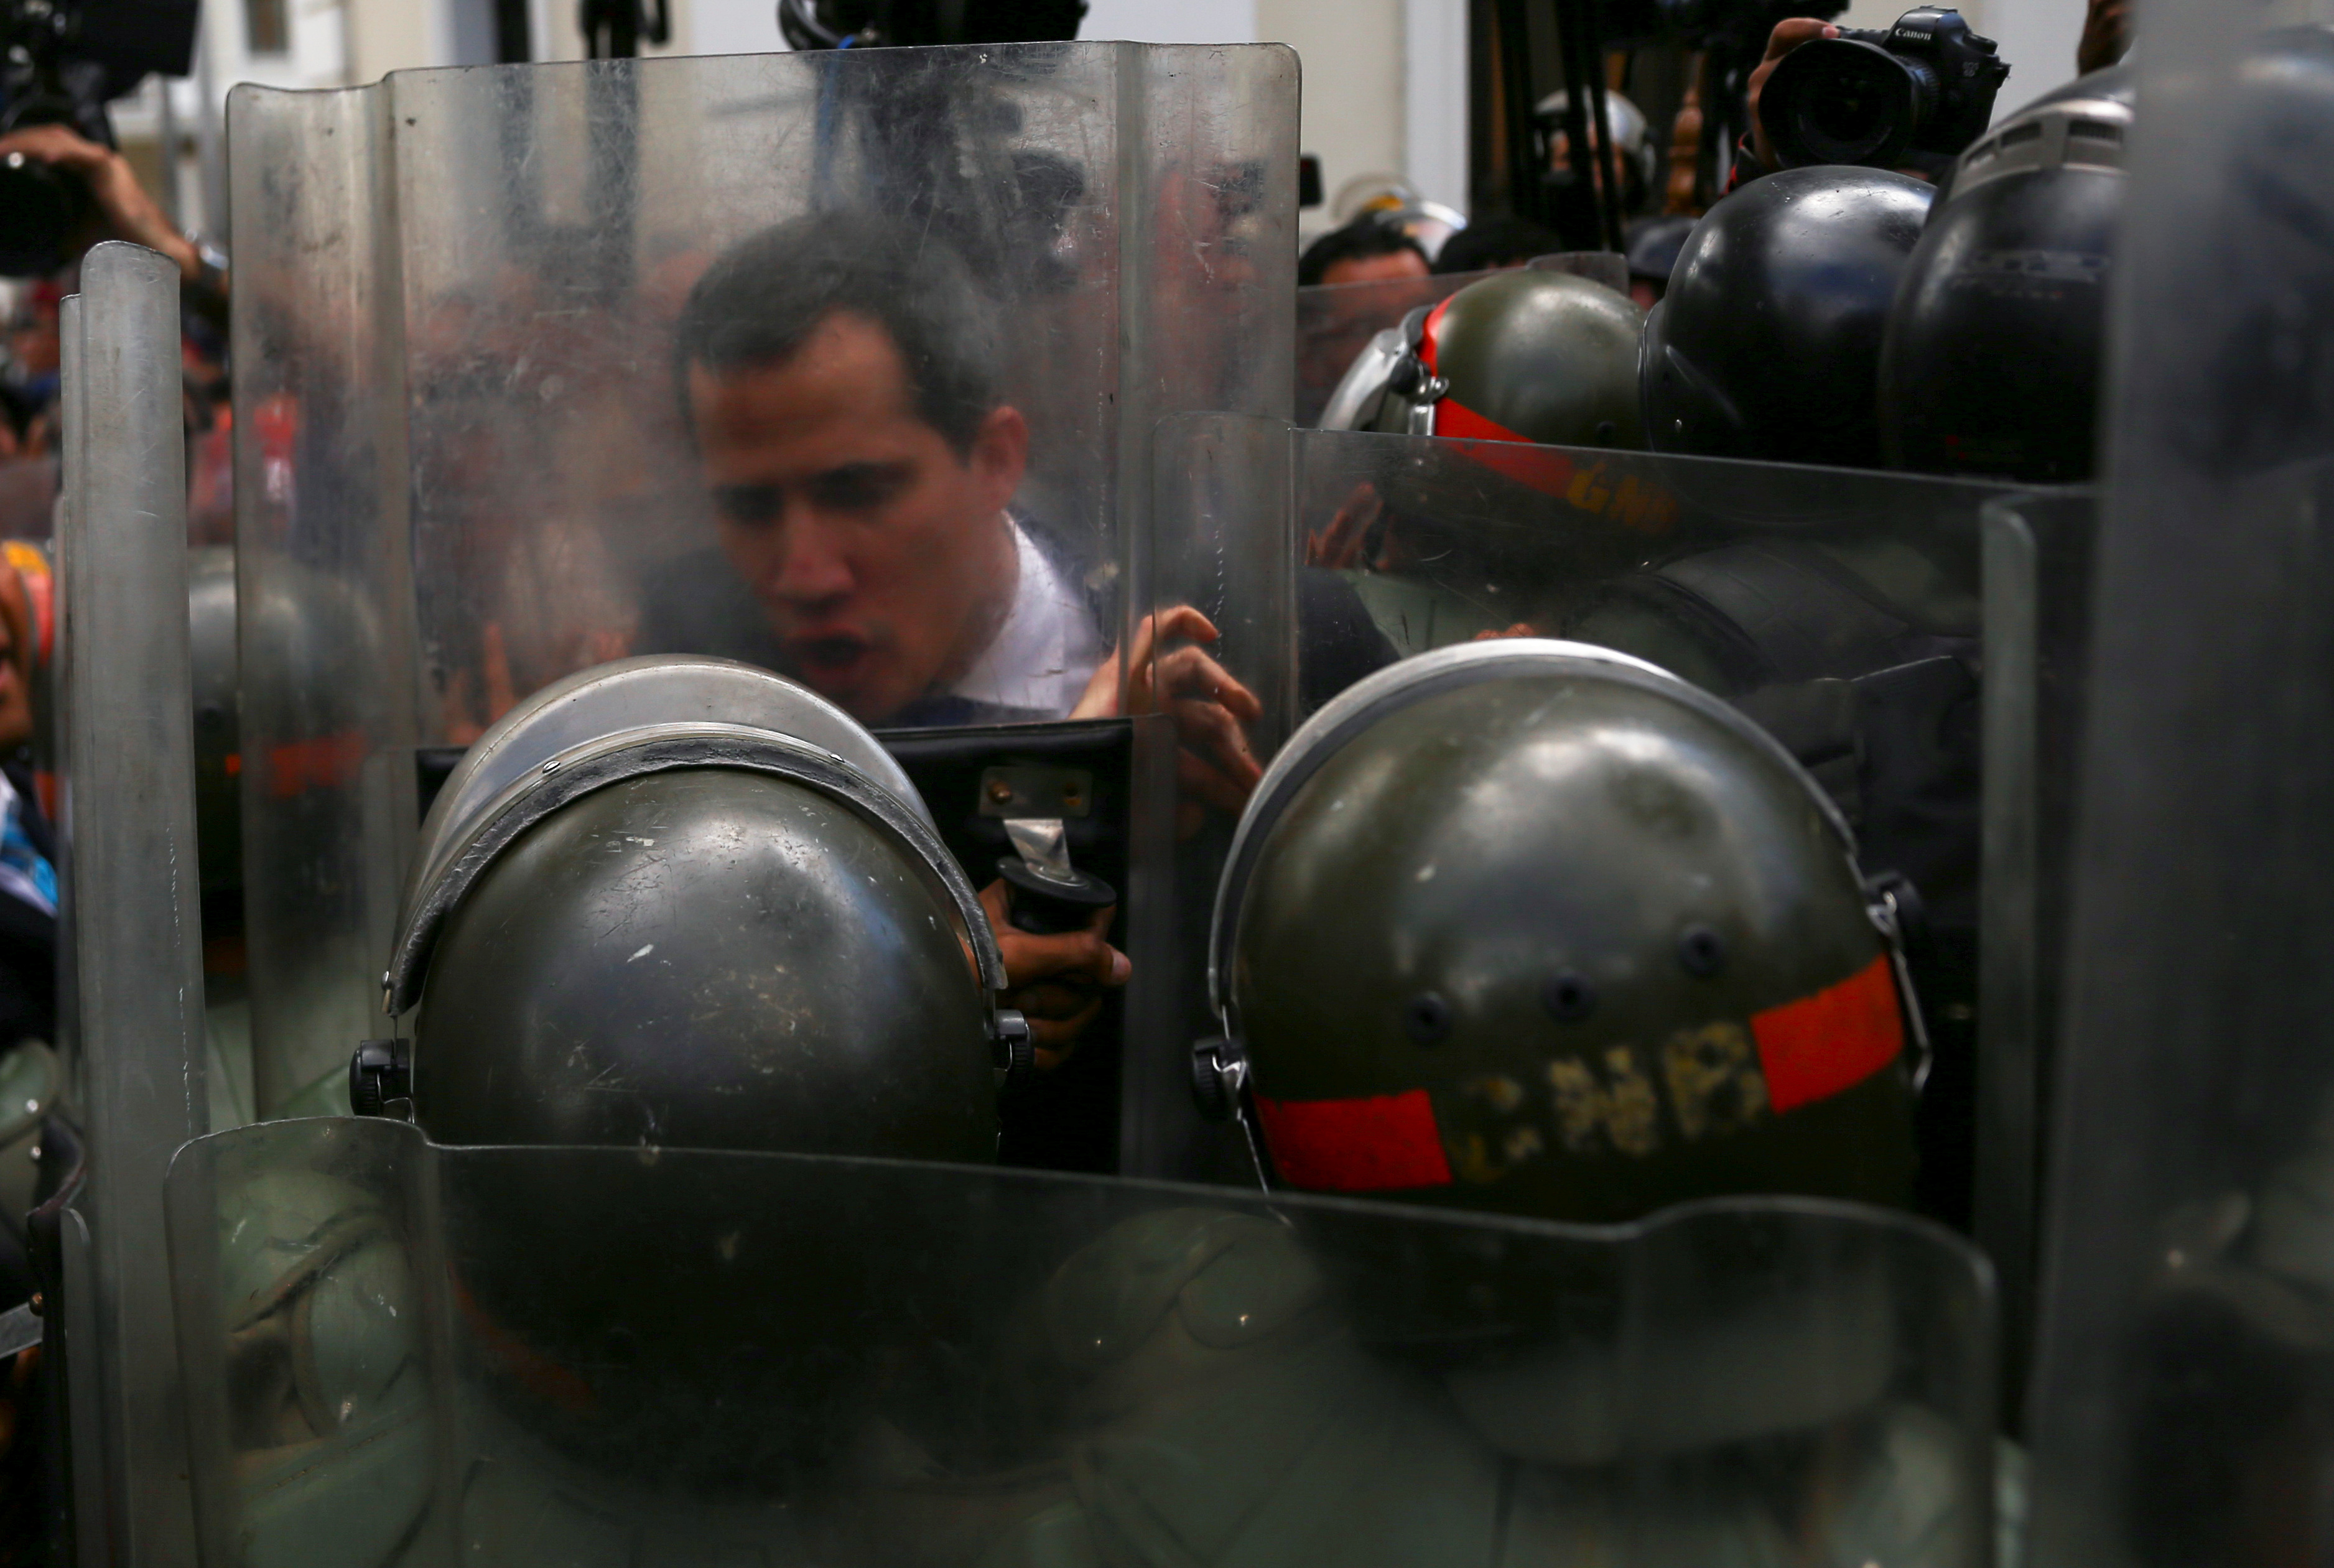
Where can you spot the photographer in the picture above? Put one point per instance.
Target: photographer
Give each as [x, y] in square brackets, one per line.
[124, 210]
[1910, 96]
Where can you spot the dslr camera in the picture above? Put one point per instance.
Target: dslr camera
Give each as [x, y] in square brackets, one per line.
[1917, 92]
[62, 62]
[41, 84]
[870, 23]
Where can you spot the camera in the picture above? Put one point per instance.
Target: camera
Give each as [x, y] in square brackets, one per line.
[1920, 90]
[42, 208]
[869, 23]
[62, 62]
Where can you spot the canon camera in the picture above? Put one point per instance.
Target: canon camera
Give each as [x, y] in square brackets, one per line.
[1917, 92]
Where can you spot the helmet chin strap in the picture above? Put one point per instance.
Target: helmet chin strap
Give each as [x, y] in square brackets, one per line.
[1412, 378]
[1894, 905]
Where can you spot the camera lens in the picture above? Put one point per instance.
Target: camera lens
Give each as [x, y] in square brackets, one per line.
[38, 207]
[1840, 101]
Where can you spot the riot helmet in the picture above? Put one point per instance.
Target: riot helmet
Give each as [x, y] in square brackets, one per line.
[1991, 359]
[1520, 356]
[1533, 927]
[1653, 248]
[1767, 343]
[1635, 159]
[683, 901]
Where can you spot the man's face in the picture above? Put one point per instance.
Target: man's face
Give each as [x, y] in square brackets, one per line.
[1370, 269]
[878, 552]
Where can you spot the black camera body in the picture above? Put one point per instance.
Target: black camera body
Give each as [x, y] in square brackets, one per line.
[62, 62]
[869, 23]
[1917, 92]
[43, 209]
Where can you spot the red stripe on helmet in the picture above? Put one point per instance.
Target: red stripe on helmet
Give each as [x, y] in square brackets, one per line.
[1456, 420]
[1367, 1145]
[1813, 1048]
[1541, 467]
[1452, 419]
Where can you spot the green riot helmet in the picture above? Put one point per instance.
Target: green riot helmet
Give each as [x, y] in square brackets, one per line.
[687, 902]
[1533, 927]
[1524, 355]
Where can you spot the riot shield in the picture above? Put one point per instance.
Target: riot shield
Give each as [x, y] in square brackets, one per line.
[2182, 1386]
[471, 463]
[1840, 609]
[2037, 556]
[603, 1355]
[131, 980]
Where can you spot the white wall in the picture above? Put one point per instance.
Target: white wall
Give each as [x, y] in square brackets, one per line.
[1352, 52]
[733, 26]
[1434, 99]
[1170, 20]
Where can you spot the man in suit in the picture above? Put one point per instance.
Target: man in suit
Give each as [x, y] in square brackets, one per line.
[839, 377]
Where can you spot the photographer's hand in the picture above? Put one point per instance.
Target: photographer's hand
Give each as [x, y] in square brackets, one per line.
[2107, 35]
[130, 212]
[1788, 35]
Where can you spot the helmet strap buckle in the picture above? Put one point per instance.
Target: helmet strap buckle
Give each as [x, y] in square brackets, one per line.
[1219, 1078]
[1896, 906]
[380, 1080]
[1010, 1033]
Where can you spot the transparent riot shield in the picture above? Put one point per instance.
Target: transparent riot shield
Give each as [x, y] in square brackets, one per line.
[2184, 1402]
[2037, 556]
[132, 978]
[1842, 611]
[471, 462]
[405, 1351]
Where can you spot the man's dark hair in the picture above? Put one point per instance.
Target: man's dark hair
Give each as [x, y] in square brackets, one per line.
[764, 297]
[1495, 242]
[1359, 240]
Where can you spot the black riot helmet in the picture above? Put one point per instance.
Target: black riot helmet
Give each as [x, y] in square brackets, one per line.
[685, 903]
[1991, 361]
[1768, 343]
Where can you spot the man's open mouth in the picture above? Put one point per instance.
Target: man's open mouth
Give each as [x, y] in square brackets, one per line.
[831, 657]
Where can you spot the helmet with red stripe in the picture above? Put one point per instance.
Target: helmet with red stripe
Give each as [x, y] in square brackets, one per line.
[1534, 926]
[1525, 355]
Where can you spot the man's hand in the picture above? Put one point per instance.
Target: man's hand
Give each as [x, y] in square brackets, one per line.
[2107, 35]
[1056, 981]
[130, 212]
[460, 716]
[1211, 711]
[1341, 544]
[1788, 35]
